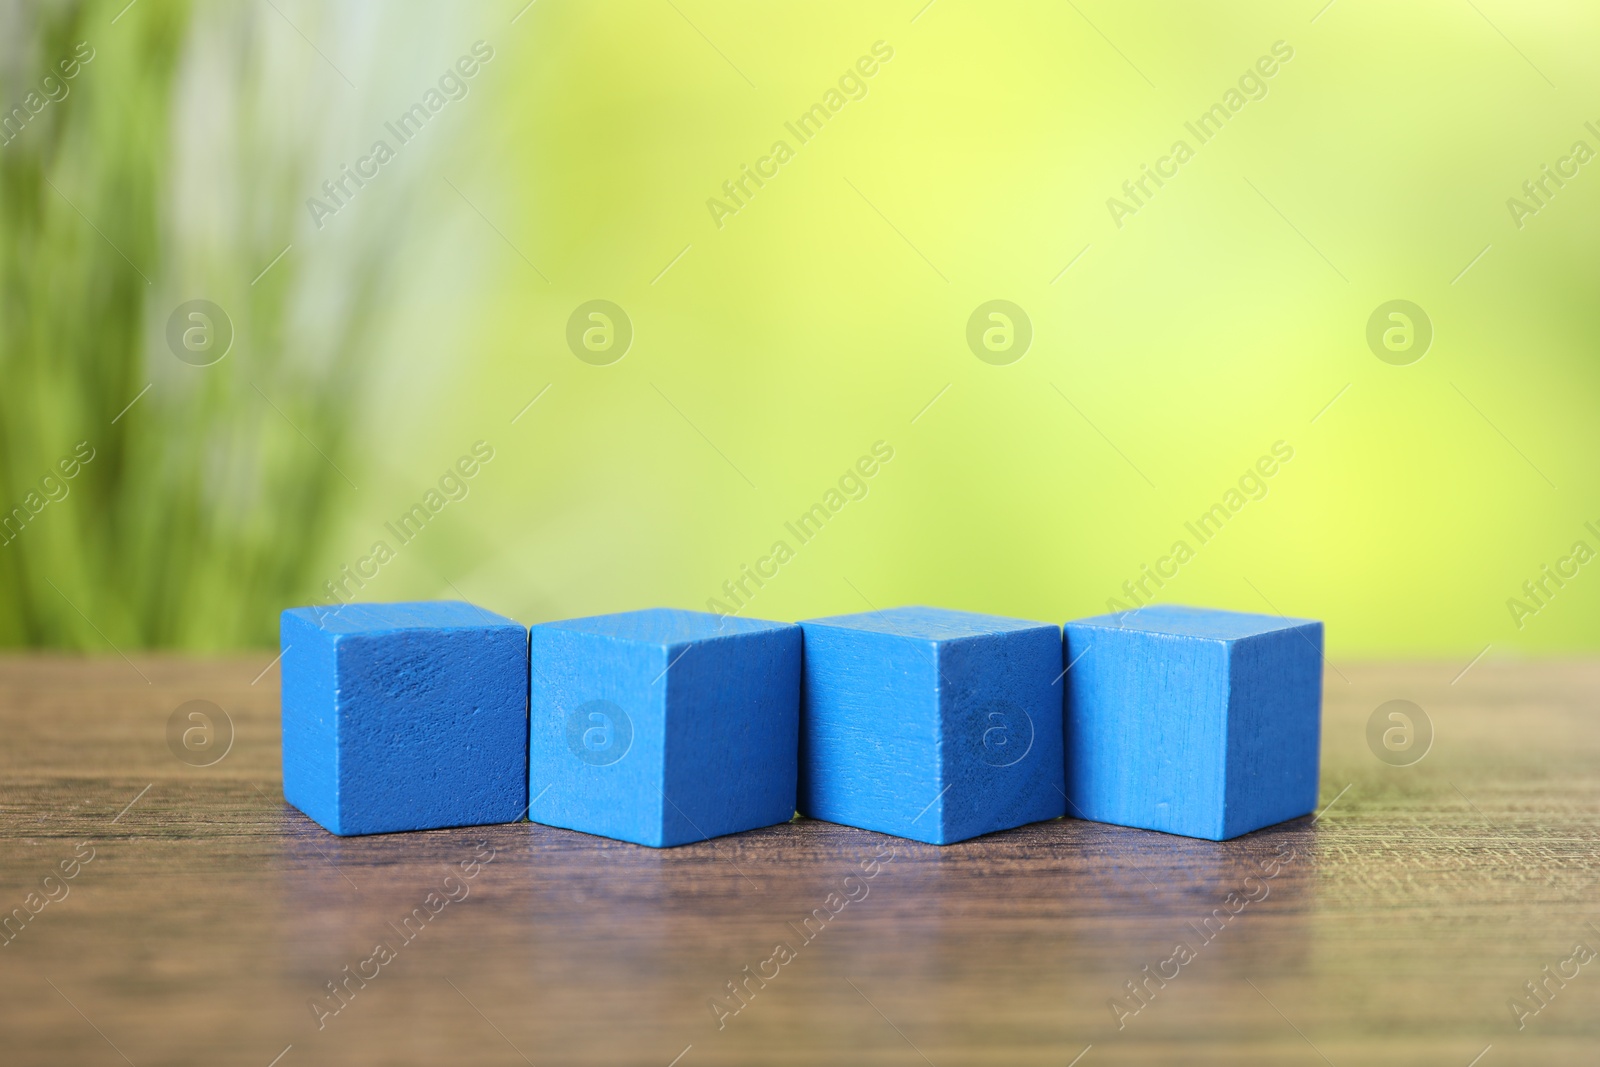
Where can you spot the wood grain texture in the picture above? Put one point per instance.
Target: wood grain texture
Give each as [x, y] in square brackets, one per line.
[1411, 912]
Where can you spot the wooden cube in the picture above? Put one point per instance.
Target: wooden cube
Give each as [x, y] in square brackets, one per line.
[930, 724]
[404, 716]
[663, 727]
[1193, 721]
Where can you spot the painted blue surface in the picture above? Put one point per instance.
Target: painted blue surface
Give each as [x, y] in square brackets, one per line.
[1193, 721]
[663, 727]
[404, 716]
[930, 724]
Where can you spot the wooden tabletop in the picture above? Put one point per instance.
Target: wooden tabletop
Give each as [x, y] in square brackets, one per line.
[203, 919]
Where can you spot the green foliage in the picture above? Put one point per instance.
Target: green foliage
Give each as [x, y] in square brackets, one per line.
[192, 521]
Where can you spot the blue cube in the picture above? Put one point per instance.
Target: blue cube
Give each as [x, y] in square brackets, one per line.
[1193, 721]
[404, 716]
[930, 724]
[663, 727]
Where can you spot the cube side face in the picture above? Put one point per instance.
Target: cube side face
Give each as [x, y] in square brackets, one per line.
[1274, 728]
[309, 682]
[1146, 717]
[432, 728]
[732, 735]
[869, 732]
[1000, 703]
[596, 743]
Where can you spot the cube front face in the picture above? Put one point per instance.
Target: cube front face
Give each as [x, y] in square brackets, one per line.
[405, 717]
[1146, 718]
[597, 721]
[870, 732]
[931, 725]
[663, 728]
[1204, 724]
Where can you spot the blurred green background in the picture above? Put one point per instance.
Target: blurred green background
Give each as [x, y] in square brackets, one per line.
[359, 344]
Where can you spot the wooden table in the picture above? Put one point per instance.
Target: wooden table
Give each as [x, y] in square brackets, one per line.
[211, 917]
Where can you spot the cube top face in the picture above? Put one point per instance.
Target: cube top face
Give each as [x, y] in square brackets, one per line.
[640, 731]
[1206, 623]
[1211, 732]
[933, 738]
[927, 624]
[390, 723]
[373, 619]
[665, 627]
